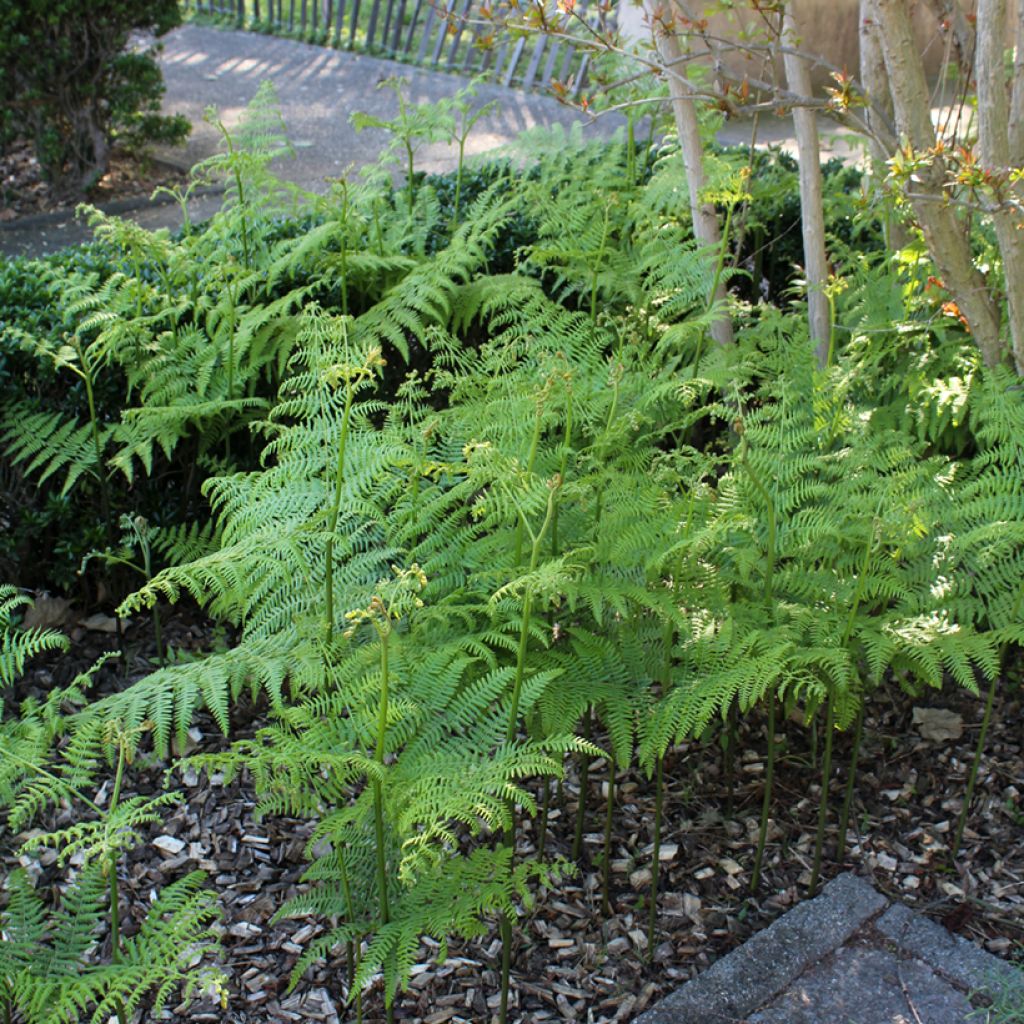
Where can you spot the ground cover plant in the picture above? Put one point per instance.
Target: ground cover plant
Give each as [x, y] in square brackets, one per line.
[482, 522]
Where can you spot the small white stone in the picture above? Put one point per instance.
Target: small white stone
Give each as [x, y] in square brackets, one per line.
[170, 845]
[886, 862]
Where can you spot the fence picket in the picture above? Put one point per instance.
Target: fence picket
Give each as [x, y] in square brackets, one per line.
[410, 35]
[443, 31]
[386, 33]
[353, 24]
[372, 30]
[456, 33]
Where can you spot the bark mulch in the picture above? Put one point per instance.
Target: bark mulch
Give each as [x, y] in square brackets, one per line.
[571, 962]
[24, 193]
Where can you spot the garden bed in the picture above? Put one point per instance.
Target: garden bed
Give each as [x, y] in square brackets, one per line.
[571, 961]
[23, 193]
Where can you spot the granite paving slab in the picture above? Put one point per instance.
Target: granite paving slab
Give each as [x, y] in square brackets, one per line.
[849, 956]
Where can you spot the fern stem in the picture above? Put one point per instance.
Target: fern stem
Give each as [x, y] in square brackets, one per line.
[542, 822]
[115, 910]
[719, 268]
[350, 955]
[972, 777]
[826, 766]
[769, 587]
[458, 180]
[332, 521]
[531, 459]
[147, 565]
[504, 923]
[344, 247]
[729, 758]
[826, 778]
[378, 799]
[659, 800]
[581, 806]
[505, 933]
[851, 776]
[524, 625]
[979, 748]
[563, 466]
[766, 800]
[597, 266]
[606, 865]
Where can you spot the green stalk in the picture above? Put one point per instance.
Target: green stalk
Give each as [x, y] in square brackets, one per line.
[979, 748]
[344, 248]
[729, 757]
[769, 586]
[972, 777]
[659, 798]
[332, 519]
[531, 459]
[378, 797]
[105, 503]
[563, 466]
[505, 934]
[115, 913]
[504, 924]
[147, 564]
[844, 816]
[826, 778]
[826, 763]
[766, 799]
[350, 954]
[542, 824]
[606, 866]
[524, 626]
[458, 178]
[409, 161]
[581, 807]
[597, 267]
[631, 148]
[719, 268]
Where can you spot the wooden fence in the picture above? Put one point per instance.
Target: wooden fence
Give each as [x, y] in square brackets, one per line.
[448, 34]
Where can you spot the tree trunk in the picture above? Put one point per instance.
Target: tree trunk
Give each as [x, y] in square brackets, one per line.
[812, 214]
[1017, 93]
[705, 219]
[879, 116]
[946, 237]
[994, 147]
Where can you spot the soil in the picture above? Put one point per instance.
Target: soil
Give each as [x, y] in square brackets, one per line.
[571, 961]
[23, 192]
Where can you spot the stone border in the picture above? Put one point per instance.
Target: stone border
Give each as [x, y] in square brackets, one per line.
[769, 962]
[115, 207]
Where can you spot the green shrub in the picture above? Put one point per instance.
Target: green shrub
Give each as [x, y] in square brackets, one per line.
[67, 77]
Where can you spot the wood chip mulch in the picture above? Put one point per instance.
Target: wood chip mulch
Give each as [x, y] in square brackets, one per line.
[571, 963]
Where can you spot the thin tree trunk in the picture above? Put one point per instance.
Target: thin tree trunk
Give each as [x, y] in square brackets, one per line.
[879, 114]
[812, 212]
[946, 237]
[1016, 131]
[994, 146]
[705, 219]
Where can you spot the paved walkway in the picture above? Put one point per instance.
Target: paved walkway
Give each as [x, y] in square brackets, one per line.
[850, 956]
[318, 89]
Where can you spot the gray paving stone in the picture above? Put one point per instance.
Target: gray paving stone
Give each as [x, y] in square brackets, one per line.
[865, 985]
[952, 955]
[764, 966]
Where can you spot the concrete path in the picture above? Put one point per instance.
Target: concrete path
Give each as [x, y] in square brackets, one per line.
[847, 957]
[318, 89]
